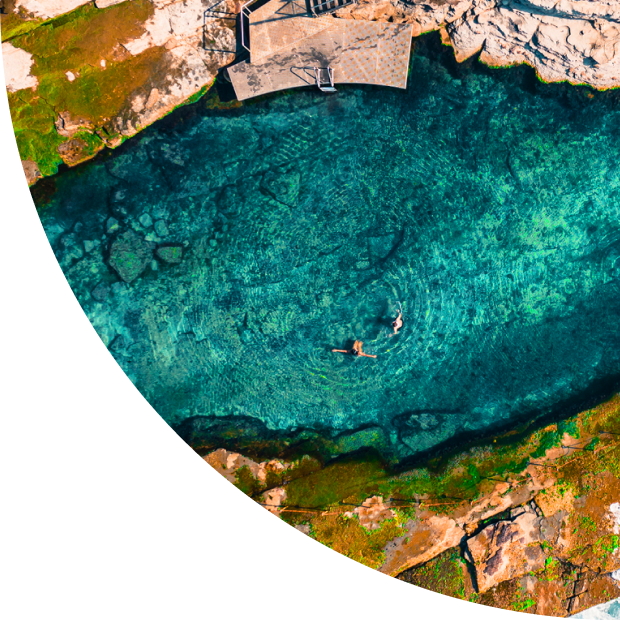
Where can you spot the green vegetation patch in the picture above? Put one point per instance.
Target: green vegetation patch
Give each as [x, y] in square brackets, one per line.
[13, 25]
[348, 479]
[348, 537]
[35, 133]
[445, 574]
[84, 36]
[246, 482]
[78, 42]
[552, 570]
[97, 95]
[100, 94]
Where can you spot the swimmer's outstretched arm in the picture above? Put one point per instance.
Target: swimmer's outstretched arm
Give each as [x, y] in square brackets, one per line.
[340, 351]
[366, 354]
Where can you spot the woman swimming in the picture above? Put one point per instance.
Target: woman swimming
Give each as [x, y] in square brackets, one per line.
[356, 350]
[397, 323]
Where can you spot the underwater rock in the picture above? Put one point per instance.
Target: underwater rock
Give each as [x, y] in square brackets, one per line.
[111, 225]
[129, 255]
[161, 229]
[170, 253]
[145, 220]
[101, 291]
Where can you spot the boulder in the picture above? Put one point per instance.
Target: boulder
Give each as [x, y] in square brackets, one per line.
[129, 255]
[31, 170]
[423, 540]
[100, 292]
[170, 253]
[508, 549]
[161, 229]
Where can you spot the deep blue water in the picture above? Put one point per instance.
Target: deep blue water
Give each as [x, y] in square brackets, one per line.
[485, 203]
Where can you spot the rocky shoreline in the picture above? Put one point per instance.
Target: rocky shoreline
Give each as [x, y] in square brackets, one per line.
[531, 525]
[128, 63]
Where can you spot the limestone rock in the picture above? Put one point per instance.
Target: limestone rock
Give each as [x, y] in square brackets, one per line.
[570, 40]
[273, 499]
[73, 151]
[46, 9]
[68, 125]
[508, 549]
[228, 463]
[129, 255]
[31, 170]
[372, 512]
[17, 65]
[179, 27]
[170, 254]
[104, 4]
[423, 540]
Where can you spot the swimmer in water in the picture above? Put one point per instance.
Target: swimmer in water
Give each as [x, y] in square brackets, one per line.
[397, 323]
[356, 350]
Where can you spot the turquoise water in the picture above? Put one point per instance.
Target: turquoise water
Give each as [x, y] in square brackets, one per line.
[484, 203]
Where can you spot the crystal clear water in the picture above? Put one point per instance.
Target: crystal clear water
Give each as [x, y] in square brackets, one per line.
[484, 203]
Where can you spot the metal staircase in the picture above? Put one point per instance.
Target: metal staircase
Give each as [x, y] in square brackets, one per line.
[325, 79]
[323, 7]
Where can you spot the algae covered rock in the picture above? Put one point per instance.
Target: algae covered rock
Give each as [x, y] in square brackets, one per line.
[170, 254]
[129, 255]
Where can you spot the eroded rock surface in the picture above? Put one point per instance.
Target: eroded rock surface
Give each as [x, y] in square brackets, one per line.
[507, 549]
[578, 41]
[424, 539]
[130, 255]
[31, 171]
[181, 47]
[17, 66]
[181, 29]
[46, 9]
[372, 512]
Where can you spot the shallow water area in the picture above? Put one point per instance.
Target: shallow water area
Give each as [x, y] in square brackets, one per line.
[485, 205]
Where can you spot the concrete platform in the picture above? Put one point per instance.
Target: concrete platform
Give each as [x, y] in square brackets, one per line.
[285, 48]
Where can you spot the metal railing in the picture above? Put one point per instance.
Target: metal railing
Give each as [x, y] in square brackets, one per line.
[245, 12]
[210, 15]
[331, 5]
[327, 86]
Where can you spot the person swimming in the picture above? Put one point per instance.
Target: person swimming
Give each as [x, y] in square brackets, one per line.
[356, 350]
[397, 323]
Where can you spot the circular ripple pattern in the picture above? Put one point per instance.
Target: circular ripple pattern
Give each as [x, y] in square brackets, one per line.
[488, 212]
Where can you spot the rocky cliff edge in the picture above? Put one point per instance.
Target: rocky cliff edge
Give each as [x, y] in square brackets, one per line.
[84, 74]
